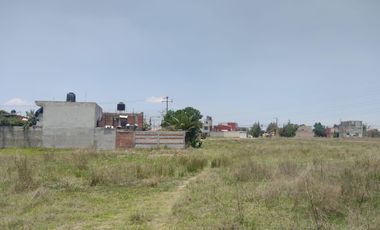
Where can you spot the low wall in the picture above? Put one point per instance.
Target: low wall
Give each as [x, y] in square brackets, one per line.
[150, 139]
[104, 138]
[237, 134]
[11, 137]
[99, 138]
[125, 139]
[68, 137]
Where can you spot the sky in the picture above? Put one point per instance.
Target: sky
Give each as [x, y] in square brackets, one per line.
[242, 60]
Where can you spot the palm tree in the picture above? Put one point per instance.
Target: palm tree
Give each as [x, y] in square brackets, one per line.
[32, 120]
[188, 120]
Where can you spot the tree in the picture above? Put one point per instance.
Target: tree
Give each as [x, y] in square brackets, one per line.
[7, 119]
[289, 130]
[319, 130]
[187, 119]
[255, 130]
[373, 133]
[272, 128]
[147, 125]
[32, 120]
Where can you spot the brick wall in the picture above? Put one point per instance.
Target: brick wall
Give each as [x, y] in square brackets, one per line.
[125, 139]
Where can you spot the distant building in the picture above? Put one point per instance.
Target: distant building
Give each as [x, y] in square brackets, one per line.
[207, 126]
[351, 129]
[226, 127]
[68, 124]
[122, 120]
[62, 114]
[305, 132]
[230, 134]
[71, 124]
[329, 132]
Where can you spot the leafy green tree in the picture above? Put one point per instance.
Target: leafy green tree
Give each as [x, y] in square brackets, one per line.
[7, 119]
[289, 130]
[272, 128]
[255, 130]
[187, 119]
[319, 130]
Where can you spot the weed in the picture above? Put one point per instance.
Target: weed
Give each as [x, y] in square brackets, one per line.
[260, 184]
[139, 218]
[288, 168]
[221, 161]
[193, 164]
[152, 182]
[24, 174]
[251, 170]
[81, 159]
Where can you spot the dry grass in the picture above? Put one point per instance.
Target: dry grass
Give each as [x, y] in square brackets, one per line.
[287, 184]
[249, 184]
[61, 188]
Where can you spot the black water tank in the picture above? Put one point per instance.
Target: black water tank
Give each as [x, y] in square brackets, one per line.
[70, 97]
[121, 106]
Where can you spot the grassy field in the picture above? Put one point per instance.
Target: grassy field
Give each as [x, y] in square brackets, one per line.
[228, 184]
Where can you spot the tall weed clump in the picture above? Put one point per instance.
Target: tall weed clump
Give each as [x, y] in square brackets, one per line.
[331, 192]
[251, 171]
[81, 158]
[151, 171]
[193, 163]
[220, 161]
[24, 180]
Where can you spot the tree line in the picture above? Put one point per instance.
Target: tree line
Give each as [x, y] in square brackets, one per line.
[290, 130]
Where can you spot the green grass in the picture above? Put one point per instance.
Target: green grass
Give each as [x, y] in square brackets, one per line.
[286, 184]
[239, 184]
[44, 188]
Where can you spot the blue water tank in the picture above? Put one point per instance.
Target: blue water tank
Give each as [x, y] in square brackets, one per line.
[70, 97]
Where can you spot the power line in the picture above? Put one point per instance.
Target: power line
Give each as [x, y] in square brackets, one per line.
[166, 100]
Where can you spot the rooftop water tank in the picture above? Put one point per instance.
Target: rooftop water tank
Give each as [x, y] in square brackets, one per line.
[121, 106]
[70, 97]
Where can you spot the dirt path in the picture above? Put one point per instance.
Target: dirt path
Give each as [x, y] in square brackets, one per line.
[166, 201]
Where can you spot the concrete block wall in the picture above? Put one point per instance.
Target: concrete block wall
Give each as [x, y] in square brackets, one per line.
[160, 139]
[68, 137]
[231, 134]
[12, 137]
[99, 138]
[105, 139]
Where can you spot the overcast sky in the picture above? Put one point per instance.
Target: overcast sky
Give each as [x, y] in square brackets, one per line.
[243, 61]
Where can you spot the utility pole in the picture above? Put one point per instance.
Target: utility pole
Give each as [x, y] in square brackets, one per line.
[276, 133]
[166, 100]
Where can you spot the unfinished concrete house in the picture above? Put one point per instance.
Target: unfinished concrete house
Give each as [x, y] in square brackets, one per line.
[351, 129]
[71, 124]
[305, 131]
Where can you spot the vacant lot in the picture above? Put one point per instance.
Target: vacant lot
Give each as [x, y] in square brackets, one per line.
[228, 184]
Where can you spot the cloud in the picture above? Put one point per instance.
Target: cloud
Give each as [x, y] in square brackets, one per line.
[154, 100]
[17, 102]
